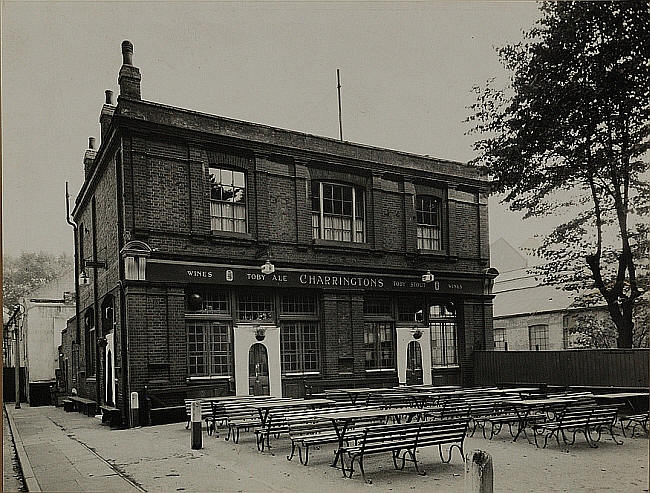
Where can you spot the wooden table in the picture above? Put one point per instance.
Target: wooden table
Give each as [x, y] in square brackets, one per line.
[263, 408]
[341, 421]
[523, 407]
[626, 397]
[514, 390]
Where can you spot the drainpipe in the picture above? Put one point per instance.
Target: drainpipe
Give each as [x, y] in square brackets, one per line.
[75, 233]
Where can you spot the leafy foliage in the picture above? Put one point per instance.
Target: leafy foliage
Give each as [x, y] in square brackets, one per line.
[570, 135]
[28, 271]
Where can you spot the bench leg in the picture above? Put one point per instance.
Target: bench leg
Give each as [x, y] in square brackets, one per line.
[293, 450]
[187, 426]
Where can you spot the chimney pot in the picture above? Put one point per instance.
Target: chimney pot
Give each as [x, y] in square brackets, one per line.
[127, 53]
[91, 142]
[109, 96]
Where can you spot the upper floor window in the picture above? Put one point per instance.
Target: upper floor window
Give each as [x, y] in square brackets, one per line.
[227, 200]
[428, 218]
[338, 212]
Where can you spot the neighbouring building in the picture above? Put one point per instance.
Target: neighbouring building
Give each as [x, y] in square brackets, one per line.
[45, 312]
[527, 314]
[222, 256]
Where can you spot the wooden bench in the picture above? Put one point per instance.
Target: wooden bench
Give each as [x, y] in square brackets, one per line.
[405, 439]
[318, 430]
[88, 406]
[68, 405]
[583, 419]
[111, 415]
[638, 420]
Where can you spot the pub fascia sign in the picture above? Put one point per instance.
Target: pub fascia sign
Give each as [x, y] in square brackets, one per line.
[183, 272]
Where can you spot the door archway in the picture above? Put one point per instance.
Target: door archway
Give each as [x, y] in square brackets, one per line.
[258, 370]
[414, 363]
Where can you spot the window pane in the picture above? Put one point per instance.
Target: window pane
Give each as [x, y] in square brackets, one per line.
[256, 306]
[238, 179]
[299, 347]
[410, 309]
[376, 305]
[428, 219]
[378, 345]
[227, 188]
[298, 304]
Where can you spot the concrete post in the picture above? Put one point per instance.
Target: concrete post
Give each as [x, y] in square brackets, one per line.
[478, 473]
[135, 410]
[197, 437]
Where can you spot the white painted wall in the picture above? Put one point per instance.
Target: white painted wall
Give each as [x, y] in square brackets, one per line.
[244, 338]
[404, 337]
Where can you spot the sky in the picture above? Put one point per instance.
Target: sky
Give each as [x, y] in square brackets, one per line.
[407, 70]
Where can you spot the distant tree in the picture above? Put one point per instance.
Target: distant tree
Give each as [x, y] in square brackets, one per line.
[28, 271]
[569, 134]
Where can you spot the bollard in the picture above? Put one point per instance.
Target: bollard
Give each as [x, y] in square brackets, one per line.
[478, 473]
[135, 410]
[197, 437]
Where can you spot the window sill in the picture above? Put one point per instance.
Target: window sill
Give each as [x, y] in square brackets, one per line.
[374, 370]
[432, 253]
[301, 374]
[317, 242]
[231, 235]
[450, 367]
[214, 377]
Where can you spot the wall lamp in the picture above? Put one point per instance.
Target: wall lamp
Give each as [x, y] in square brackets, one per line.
[268, 268]
[428, 277]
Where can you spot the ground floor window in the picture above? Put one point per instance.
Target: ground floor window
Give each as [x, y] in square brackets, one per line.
[379, 347]
[538, 337]
[442, 322]
[209, 350]
[500, 339]
[299, 347]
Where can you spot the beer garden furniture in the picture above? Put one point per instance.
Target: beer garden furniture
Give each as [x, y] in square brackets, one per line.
[585, 418]
[342, 421]
[524, 410]
[636, 418]
[404, 439]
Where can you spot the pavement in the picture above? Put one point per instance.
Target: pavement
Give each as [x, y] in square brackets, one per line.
[73, 452]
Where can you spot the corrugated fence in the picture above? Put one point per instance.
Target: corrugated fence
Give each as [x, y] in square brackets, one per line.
[580, 367]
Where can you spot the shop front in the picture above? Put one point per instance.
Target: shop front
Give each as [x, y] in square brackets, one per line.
[259, 331]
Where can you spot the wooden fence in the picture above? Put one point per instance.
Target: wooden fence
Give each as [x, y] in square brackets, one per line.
[579, 367]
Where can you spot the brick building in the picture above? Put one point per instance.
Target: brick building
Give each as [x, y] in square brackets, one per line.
[227, 256]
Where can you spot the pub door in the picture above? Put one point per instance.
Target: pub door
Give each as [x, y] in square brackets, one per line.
[258, 370]
[414, 364]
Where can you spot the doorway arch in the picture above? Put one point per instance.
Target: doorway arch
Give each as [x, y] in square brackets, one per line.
[258, 370]
[414, 363]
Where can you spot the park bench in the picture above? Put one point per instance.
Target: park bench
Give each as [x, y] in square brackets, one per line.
[68, 405]
[405, 439]
[318, 430]
[87, 406]
[206, 414]
[576, 419]
[279, 419]
[111, 415]
[635, 419]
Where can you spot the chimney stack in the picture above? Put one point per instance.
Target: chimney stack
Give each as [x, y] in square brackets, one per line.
[106, 115]
[89, 157]
[129, 77]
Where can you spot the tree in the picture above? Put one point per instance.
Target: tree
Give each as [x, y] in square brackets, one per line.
[569, 134]
[28, 271]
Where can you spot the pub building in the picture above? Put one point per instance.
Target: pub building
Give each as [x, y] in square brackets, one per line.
[217, 256]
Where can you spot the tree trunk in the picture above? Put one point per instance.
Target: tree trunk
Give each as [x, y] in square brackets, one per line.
[622, 318]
